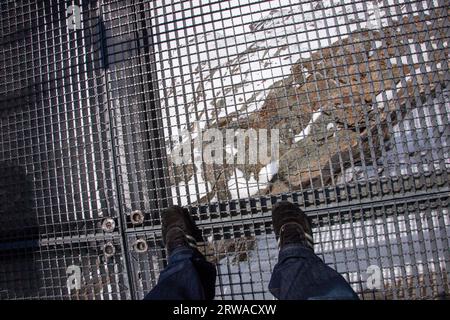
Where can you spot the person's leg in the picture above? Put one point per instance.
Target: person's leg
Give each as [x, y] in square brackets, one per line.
[300, 273]
[188, 275]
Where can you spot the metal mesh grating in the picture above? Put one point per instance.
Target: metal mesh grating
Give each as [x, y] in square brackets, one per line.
[408, 241]
[56, 142]
[44, 271]
[90, 119]
[353, 101]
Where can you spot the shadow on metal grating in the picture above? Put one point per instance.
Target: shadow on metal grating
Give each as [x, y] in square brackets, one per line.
[97, 99]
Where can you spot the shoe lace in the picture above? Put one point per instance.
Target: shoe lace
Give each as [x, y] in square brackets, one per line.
[292, 232]
[179, 238]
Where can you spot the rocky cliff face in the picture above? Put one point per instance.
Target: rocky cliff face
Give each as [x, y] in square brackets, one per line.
[335, 97]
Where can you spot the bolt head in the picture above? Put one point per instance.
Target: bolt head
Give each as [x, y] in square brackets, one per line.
[137, 217]
[109, 250]
[108, 225]
[140, 245]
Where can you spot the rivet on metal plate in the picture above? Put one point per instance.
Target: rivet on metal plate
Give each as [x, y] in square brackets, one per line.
[137, 217]
[109, 250]
[108, 225]
[140, 245]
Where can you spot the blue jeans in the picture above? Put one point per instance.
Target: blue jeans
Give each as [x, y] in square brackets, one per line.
[299, 274]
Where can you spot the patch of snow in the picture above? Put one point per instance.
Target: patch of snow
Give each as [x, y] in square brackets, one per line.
[224, 63]
[357, 173]
[307, 130]
[384, 97]
[204, 68]
[188, 191]
[239, 187]
[416, 55]
[266, 173]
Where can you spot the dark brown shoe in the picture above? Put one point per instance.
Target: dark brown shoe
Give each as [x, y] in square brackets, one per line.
[179, 229]
[291, 225]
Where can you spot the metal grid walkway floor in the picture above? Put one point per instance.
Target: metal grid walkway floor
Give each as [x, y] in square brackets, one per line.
[96, 98]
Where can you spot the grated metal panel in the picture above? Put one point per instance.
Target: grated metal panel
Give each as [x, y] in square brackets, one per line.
[42, 270]
[352, 101]
[90, 119]
[56, 142]
[407, 241]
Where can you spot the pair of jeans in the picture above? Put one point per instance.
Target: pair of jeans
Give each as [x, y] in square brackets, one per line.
[299, 274]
